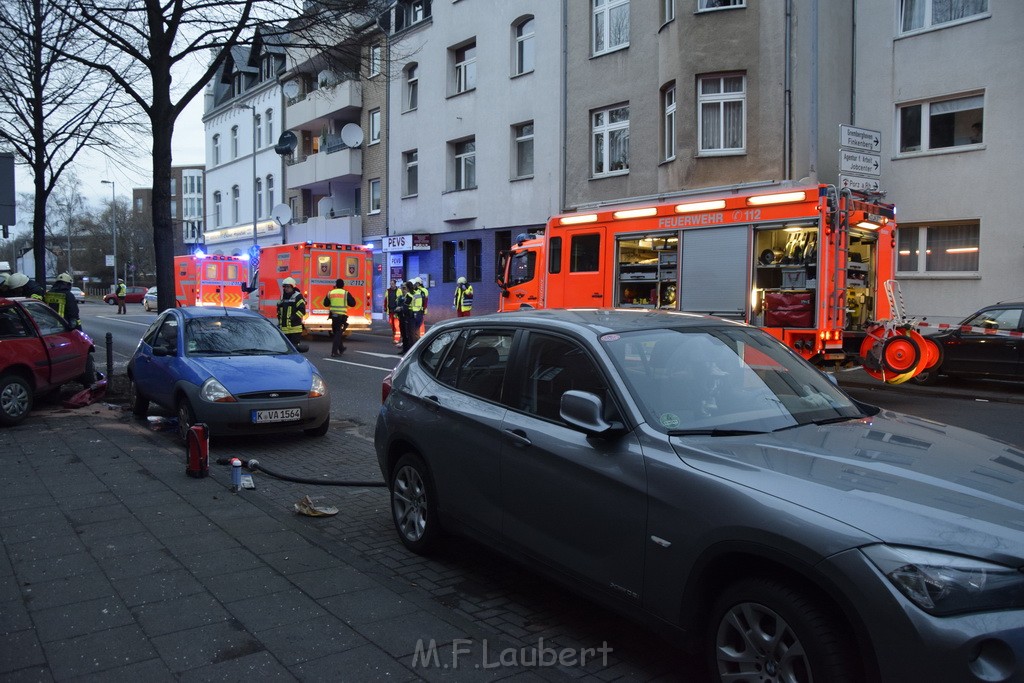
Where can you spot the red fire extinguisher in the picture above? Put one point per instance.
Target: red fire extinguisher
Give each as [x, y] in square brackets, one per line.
[198, 462]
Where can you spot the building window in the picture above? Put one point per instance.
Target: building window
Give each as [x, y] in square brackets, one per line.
[465, 68]
[234, 142]
[448, 261]
[924, 14]
[216, 149]
[465, 165]
[374, 126]
[376, 53]
[611, 25]
[668, 10]
[523, 151]
[412, 85]
[721, 105]
[174, 208]
[941, 124]
[174, 186]
[474, 260]
[611, 141]
[234, 204]
[270, 193]
[668, 125]
[524, 46]
[216, 209]
[199, 184]
[720, 4]
[943, 248]
[412, 164]
[259, 129]
[270, 126]
[375, 196]
[259, 197]
[417, 11]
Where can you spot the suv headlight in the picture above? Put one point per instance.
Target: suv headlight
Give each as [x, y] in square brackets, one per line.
[215, 392]
[941, 584]
[319, 387]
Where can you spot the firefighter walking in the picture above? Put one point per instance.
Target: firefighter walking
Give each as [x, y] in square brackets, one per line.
[338, 300]
[290, 310]
[121, 292]
[62, 299]
[390, 303]
[463, 298]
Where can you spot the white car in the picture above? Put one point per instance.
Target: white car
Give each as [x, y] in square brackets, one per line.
[149, 301]
[79, 294]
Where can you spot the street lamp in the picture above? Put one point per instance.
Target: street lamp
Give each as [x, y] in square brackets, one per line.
[113, 222]
[255, 144]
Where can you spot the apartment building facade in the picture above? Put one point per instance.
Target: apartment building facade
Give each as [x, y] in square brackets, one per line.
[475, 90]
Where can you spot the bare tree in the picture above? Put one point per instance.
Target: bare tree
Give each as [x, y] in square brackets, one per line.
[164, 36]
[51, 108]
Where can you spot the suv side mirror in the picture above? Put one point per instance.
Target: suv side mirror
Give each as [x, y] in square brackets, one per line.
[585, 411]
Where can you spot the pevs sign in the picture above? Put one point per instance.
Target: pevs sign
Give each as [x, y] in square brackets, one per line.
[407, 243]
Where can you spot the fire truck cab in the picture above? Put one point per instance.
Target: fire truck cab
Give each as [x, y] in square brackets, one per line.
[806, 263]
[210, 280]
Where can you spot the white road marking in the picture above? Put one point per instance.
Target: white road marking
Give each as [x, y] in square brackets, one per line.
[358, 365]
[121, 320]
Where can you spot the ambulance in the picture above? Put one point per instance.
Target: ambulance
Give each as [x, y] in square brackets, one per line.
[807, 263]
[208, 280]
[315, 266]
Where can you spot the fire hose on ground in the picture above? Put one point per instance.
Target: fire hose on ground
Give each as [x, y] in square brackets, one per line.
[254, 465]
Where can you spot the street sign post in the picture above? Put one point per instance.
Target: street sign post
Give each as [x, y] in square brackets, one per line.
[860, 163]
[863, 139]
[853, 182]
[254, 257]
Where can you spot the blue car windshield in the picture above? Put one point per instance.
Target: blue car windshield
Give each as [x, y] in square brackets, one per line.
[723, 381]
[233, 336]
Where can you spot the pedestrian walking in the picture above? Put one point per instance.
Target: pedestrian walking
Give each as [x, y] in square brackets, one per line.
[463, 305]
[390, 301]
[338, 300]
[62, 299]
[291, 309]
[121, 292]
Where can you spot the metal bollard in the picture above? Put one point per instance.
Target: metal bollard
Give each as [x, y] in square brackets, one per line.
[110, 355]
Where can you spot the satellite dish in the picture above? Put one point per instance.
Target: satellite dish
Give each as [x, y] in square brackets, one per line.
[326, 78]
[291, 89]
[352, 134]
[282, 213]
[287, 143]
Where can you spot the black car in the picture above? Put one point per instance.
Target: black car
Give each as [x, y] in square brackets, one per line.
[988, 344]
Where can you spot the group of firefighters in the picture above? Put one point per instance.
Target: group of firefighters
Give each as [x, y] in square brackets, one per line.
[404, 303]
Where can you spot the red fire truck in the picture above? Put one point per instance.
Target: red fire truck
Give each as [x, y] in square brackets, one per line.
[806, 263]
[208, 280]
[315, 266]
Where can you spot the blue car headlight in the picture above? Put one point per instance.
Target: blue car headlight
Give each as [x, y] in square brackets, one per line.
[215, 392]
[942, 584]
[319, 387]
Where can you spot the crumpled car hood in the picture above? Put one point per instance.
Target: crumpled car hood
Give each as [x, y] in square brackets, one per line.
[244, 374]
[902, 479]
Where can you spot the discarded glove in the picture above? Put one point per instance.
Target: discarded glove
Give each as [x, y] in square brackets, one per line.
[314, 507]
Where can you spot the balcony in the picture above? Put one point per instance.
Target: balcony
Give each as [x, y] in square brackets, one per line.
[459, 205]
[317, 108]
[345, 164]
[342, 230]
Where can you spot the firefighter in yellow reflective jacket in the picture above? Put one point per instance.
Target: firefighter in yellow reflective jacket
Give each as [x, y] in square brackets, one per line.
[338, 300]
[62, 299]
[463, 298]
[121, 292]
[291, 309]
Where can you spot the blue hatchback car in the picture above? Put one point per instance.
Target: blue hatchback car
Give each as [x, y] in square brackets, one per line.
[230, 368]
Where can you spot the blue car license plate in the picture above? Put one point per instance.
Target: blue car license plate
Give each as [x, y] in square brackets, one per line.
[277, 415]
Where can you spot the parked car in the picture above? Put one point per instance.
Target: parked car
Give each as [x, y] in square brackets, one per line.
[135, 295]
[229, 368]
[39, 352]
[79, 295]
[988, 344]
[149, 301]
[697, 474]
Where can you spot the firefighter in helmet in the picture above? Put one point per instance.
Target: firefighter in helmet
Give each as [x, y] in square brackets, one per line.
[338, 300]
[62, 299]
[121, 292]
[463, 298]
[19, 284]
[291, 309]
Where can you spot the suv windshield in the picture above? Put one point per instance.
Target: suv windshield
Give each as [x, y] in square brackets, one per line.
[233, 336]
[723, 381]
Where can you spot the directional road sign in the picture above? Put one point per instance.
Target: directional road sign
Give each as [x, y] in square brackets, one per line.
[254, 256]
[863, 139]
[853, 182]
[860, 163]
